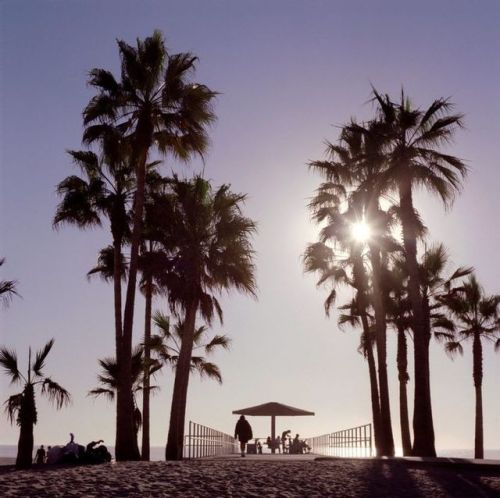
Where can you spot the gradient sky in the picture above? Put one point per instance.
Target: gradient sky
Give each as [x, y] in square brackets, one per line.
[289, 72]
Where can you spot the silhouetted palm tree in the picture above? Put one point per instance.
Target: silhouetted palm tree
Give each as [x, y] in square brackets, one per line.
[412, 138]
[352, 167]
[104, 190]
[22, 407]
[167, 345]
[477, 317]
[435, 285]
[207, 240]
[346, 266]
[152, 262]
[108, 378]
[156, 105]
[7, 288]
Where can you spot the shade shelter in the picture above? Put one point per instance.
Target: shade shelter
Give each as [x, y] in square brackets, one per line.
[272, 410]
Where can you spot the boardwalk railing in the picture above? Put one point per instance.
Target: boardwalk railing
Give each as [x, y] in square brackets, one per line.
[353, 442]
[202, 441]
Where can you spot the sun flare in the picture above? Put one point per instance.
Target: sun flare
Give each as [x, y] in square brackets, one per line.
[361, 231]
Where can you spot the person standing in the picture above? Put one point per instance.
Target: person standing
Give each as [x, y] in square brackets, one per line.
[40, 455]
[243, 432]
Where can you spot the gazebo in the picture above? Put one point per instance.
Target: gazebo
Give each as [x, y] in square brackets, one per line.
[272, 410]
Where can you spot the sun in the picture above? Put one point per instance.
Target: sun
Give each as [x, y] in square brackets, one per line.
[360, 231]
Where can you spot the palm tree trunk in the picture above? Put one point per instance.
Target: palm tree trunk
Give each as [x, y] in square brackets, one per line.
[126, 440]
[27, 418]
[372, 371]
[117, 288]
[402, 361]
[423, 427]
[175, 442]
[147, 361]
[381, 339]
[25, 446]
[361, 285]
[477, 355]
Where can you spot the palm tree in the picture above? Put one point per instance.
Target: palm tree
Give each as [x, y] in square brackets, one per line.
[7, 288]
[152, 261]
[412, 138]
[108, 378]
[207, 240]
[477, 317]
[435, 286]
[355, 162]
[22, 407]
[155, 104]
[167, 345]
[104, 189]
[332, 268]
[399, 316]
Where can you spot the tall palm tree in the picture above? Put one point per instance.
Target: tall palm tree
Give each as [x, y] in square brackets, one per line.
[353, 164]
[104, 189]
[332, 267]
[477, 316]
[399, 316]
[412, 141]
[156, 105]
[207, 239]
[7, 288]
[22, 407]
[108, 378]
[152, 261]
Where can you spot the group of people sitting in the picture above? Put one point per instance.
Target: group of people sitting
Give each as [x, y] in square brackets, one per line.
[94, 452]
[293, 446]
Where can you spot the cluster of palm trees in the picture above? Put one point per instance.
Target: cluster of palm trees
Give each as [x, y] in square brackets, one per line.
[370, 237]
[184, 239]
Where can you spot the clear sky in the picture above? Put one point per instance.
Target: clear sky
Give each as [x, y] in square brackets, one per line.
[289, 72]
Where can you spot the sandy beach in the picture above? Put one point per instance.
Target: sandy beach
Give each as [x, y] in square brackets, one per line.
[250, 478]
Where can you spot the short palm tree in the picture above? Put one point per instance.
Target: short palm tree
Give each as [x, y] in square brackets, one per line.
[22, 407]
[167, 345]
[108, 379]
[412, 139]
[207, 240]
[435, 285]
[477, 317]
[7, 288]
[156, 105]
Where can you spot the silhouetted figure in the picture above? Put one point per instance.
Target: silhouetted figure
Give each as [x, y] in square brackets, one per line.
[97, 452]
[243, 432]
[40, 455]
[285, 435]
[296, 446]
[259, 448]
[277, 444]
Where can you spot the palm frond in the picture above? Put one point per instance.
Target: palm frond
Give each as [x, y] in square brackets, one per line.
[13, 406]
[101, 391]
[8, 361]
[56, 393]
[40, 357]
[219, 340]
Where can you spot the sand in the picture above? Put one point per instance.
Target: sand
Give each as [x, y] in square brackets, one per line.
[250, 478]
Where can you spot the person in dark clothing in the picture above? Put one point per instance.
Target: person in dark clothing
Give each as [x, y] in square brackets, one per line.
[243, 432]
[40, 455]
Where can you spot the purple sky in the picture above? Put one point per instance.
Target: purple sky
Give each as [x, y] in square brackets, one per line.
[289, 72]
